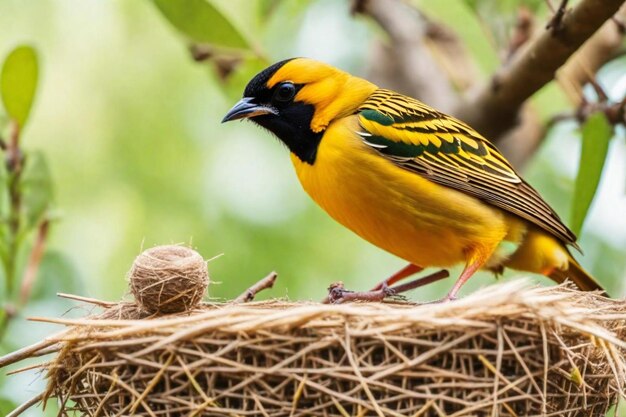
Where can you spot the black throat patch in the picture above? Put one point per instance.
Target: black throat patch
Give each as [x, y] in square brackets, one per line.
[293, 128]
[292, 124]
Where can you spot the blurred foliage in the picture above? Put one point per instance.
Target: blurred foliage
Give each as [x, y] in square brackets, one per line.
[460, 17]
[596, 133]
[26, 185]
[201, 21]
[26, 191]
[127, 115]
[18, 81]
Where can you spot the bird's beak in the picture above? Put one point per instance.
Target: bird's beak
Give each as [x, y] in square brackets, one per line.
[246, 108]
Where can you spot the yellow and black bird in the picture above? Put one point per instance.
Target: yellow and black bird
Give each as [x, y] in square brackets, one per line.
[415, 182]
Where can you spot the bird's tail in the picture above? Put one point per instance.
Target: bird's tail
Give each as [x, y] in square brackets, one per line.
[578, 275]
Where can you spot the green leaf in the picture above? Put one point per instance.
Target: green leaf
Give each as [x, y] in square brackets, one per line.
[459, 16]
[6, 406]
[243, 14]
[596, 134]
[202, 22]
[36, 186]
[18, 82]
[279, 18]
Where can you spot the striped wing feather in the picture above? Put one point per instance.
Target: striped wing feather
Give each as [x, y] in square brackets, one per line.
[449, 152]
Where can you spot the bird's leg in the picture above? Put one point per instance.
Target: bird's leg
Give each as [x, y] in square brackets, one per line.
[337, 294]
[420, 282]
[405, 272]
[474, 263]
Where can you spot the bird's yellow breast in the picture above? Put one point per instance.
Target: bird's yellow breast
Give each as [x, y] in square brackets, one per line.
[395, 209]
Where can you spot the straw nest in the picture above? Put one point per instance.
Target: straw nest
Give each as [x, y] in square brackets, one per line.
[508, 350]
[168, 279]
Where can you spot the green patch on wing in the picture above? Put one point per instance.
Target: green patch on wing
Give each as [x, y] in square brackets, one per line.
[449, 147]
[378, 117]
[411, 150]
[389, 119]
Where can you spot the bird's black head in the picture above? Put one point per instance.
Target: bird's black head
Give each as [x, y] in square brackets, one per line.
[297, 99]
[271, 100]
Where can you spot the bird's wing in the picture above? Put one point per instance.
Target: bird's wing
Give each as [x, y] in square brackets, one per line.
[449, 152]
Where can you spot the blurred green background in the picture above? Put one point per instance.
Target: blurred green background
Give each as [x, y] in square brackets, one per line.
[130, 127]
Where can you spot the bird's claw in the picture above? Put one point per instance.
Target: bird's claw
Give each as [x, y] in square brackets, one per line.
[336, 293]
[445, 300]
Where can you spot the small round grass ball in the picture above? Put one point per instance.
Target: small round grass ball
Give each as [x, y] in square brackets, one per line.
[169, 279]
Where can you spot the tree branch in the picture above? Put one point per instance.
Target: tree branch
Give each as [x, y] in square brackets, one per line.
[495, 109]
[521, 143]
[249, 294]
[34, 260]
[581, 68]
[25, 406]
[406, 64]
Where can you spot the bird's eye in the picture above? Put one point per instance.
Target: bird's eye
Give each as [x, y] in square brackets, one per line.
[285, 92]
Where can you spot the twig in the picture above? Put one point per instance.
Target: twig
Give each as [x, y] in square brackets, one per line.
[494, 111]
[42, 366]
[224, 64]
[522, 31]
[32, 350]
[249, 294]
[14, 163]
[582, 67]
[105, 304]
[30, 274]
[201, 52]
[602, 96]
[556, 23]
[560, 117]
[25, 406]
[14, 156]
[616, 113]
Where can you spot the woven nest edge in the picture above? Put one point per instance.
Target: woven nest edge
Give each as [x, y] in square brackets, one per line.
[479, 354]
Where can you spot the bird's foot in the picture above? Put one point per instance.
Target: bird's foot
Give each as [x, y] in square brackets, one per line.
[337, 294]
[445, 300]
